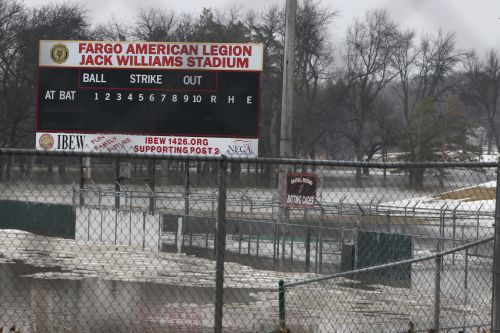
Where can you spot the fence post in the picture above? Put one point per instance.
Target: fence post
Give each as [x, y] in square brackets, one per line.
[117, 183]
[405, 221]
[73, 199]
[286, 218]
[477, 222]
[83, 168]
[321, 240]
[454, 231]
[151, 181]
[466, 279]
[437, 292]
[281, 291]
[307, 242]
[496, 261]
[220, 247]
[388, 220]
[186, 197]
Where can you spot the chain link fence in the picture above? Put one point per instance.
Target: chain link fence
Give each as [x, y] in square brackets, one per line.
[450, 290]
[100, 243]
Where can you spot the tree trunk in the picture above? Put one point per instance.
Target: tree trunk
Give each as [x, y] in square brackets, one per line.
[50, 166]
[416, 178]
[236, 172]
[29, 165]
[359, 158]
[257, 180]
[490, 146]
[441, 177]
[1, 167]
[62, 166]
[198, 167]
[164, 169]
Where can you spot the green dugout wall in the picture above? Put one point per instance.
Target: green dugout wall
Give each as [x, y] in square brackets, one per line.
[38, 218]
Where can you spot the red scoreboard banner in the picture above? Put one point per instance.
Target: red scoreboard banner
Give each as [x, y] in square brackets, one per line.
[152, 98]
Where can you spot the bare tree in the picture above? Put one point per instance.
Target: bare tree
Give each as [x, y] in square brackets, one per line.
[266, 27]
[404, 62]
[437, 59]
[57, 21]
[424, 70]
[220, 26]
[425, 74]
[482, 90]
[155, 24]
[370, 47]
[12, 19]
[314, 58]
[114, 29]
[185, 27]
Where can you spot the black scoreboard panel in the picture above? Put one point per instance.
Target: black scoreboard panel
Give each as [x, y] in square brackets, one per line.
[158, 102]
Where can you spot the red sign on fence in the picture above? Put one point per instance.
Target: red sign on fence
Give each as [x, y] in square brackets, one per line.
[301, 190]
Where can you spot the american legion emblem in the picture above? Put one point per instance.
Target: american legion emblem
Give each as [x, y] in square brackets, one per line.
[59, 53]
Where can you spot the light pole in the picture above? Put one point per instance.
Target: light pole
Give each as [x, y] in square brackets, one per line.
[286, 111]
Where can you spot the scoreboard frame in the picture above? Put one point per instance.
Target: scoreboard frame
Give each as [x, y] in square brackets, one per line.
[199, 99]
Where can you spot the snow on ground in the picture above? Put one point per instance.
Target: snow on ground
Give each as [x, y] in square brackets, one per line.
[339, 305]
[115, 262]
[336, 306]
[431, 203]
[468, 203]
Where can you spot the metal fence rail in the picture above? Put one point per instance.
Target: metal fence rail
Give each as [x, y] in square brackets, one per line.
[121, 243]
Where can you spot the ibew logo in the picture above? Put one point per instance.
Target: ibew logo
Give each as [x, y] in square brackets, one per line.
[70, 141]
[240, 148]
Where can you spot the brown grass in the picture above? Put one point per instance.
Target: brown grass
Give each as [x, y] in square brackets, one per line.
[469, 194]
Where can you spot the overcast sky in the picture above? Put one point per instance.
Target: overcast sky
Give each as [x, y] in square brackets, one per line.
[476, 22]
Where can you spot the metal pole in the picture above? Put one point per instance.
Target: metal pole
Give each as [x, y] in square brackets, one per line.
[257, 245]
[496, 262]
[84, 168]
[283, 245]
[437, 293]
[287, 106]
[308, 242]
[239, 238]
[220, 247]
[388, 220]
[291, 248]
[186, 196]
[477, 223]
[206, 234]
[321, 241]
[466, 283]
[281, 301]
[249, 224]
[117, 183]
[288, 80]
[152, 199]
[454, 231]
[190, 236]
[275, 245]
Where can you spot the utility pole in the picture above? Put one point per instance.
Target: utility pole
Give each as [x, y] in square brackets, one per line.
[286, 111]
[496, 261]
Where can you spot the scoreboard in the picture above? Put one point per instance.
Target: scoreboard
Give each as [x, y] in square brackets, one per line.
[153, 98]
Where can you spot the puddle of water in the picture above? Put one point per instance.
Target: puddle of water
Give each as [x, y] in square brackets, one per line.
[98, 305]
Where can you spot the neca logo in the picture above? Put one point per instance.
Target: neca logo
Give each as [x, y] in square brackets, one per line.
[240, 148]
